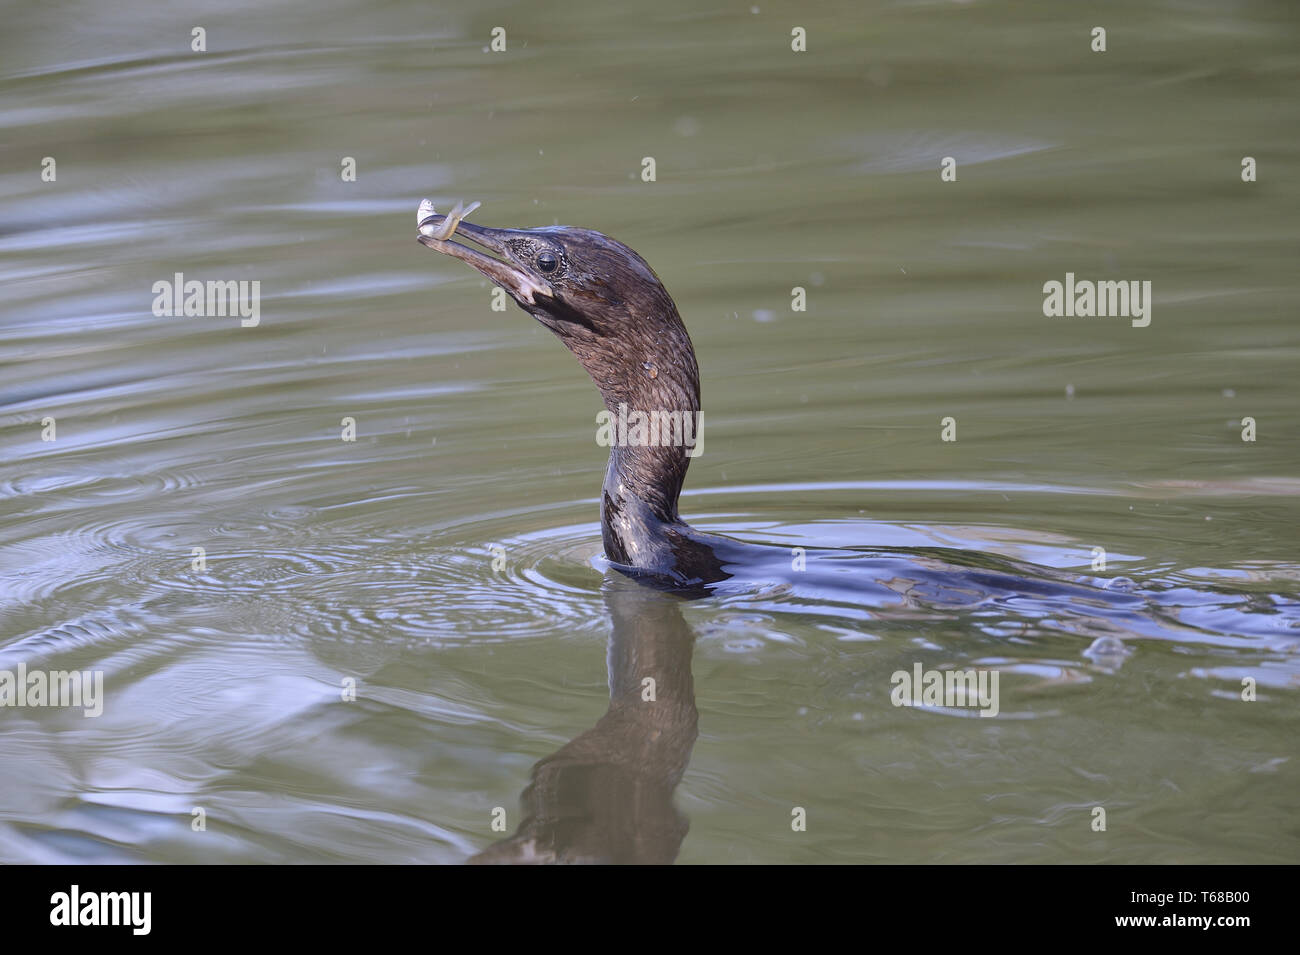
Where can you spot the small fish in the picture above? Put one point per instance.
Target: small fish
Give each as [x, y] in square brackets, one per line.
[447, 228]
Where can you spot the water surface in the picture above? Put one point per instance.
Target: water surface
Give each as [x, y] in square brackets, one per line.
[373, 560]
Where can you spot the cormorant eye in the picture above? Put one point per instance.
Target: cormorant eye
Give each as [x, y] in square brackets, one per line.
[548, 261]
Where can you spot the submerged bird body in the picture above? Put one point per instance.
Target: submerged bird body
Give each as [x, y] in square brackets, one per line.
[609, 308]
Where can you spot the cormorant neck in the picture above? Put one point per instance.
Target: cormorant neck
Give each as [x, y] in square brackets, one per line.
[655, 428]
[639, 523]
[643, 362]
[641, 488]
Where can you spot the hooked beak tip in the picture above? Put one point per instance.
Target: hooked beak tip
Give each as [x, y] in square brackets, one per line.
[436, 232]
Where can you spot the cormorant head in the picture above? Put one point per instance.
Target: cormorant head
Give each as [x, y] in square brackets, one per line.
[601, 298]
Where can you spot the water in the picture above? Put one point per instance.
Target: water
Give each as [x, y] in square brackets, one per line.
[373, 561]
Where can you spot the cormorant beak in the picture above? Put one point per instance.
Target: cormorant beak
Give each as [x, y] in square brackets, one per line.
[522, 284]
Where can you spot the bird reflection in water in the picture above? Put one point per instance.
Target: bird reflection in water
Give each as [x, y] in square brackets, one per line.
[607, 796]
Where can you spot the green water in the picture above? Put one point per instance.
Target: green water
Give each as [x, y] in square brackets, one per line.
[372, 560]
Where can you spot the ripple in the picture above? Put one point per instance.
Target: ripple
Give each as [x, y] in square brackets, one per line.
[88, 484]
[308, 584]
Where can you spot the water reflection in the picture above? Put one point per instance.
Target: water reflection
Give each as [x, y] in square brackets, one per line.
[607, 796]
